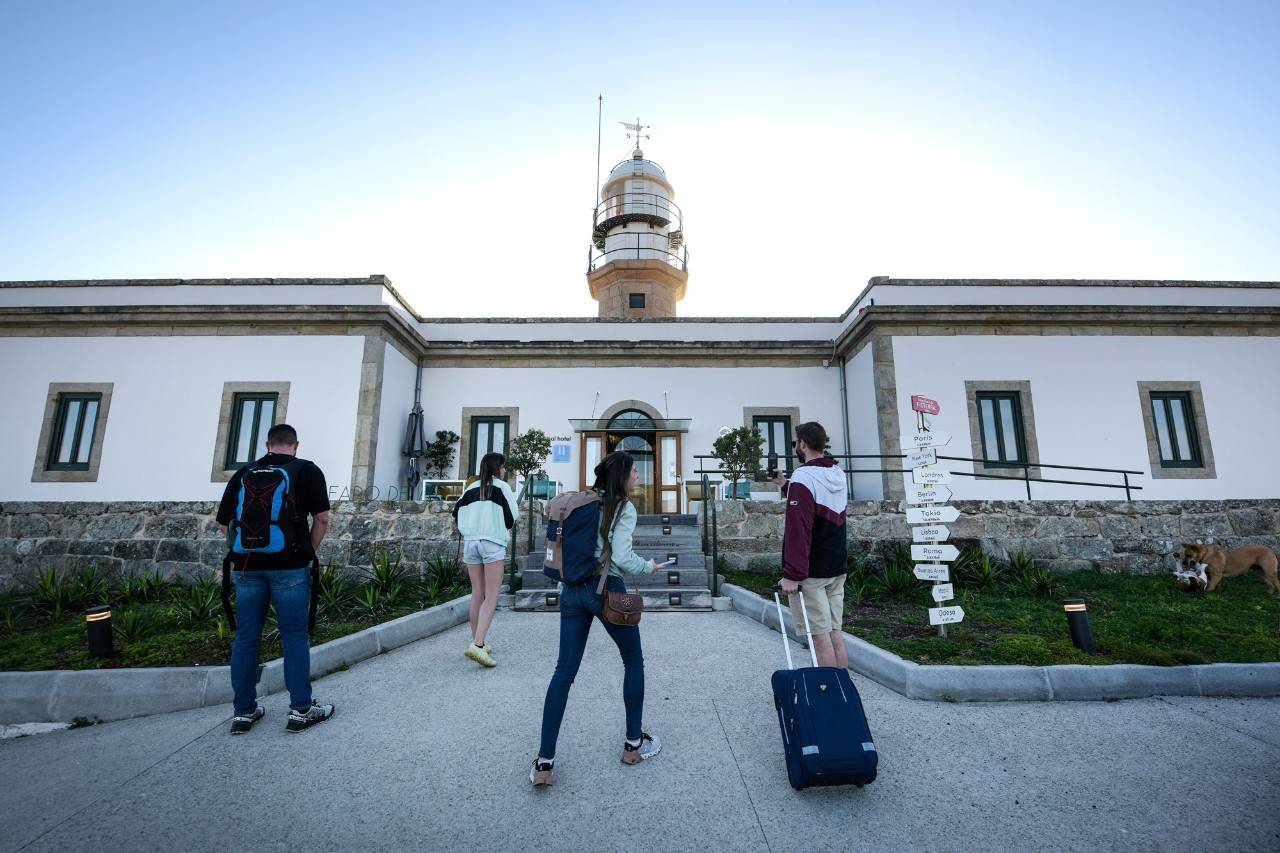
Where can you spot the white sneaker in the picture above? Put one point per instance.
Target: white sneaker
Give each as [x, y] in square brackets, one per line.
[648, 747]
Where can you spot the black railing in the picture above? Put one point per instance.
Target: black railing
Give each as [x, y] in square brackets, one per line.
[1025, 478]
[710, 534]
[639, 207]
[679, 260]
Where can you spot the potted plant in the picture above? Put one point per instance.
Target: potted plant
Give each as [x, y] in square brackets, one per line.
[526, 455]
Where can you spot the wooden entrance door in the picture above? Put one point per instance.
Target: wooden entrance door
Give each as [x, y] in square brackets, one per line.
[669, 472]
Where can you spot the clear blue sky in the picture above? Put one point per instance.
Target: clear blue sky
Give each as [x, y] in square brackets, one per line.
[452, 146]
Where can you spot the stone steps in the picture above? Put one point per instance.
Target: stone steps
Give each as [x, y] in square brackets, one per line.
[692, 600]
[688, 579]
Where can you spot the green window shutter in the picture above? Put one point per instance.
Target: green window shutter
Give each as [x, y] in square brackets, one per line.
[75, 423]
[1173, 415]
[252, 416]
[1000, 427]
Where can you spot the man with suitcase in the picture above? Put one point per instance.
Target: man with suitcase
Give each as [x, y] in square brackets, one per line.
[814, 549]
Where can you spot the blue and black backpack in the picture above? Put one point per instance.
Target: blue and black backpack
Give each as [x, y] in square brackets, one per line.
[267, 521]
[573, 521]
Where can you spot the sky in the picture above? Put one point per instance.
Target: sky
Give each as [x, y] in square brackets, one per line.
[811, 146]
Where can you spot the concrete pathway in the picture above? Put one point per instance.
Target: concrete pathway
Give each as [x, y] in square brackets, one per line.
[429, 752]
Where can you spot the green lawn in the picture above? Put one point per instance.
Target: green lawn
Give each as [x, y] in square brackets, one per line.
[160, 623]
[1135, 620]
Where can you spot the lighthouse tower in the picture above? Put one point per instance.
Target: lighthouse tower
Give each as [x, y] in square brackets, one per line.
[638, 265]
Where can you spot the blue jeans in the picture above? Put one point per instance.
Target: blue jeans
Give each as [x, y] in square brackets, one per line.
[290, 591]
[579, 605]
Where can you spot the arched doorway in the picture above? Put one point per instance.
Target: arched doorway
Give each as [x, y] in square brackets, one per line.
[651, 442]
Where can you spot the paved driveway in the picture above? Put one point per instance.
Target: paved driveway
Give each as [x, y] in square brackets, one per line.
[429, 752]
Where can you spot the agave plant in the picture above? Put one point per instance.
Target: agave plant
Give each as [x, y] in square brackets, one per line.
[367, 601]
[141, 588]
[53, 592]
[91, 586]
[981, 571]
[443, 572]
[385, 572]
[134, 625]
[336, 591]
[1029, 579]
[898, 581]
[198, 604]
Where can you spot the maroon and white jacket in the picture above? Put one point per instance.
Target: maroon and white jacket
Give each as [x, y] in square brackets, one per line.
[814, 544]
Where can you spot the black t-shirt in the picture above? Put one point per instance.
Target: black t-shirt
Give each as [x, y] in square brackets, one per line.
[313, 498]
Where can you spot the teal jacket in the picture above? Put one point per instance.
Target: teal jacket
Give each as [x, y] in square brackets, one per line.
[624, 560]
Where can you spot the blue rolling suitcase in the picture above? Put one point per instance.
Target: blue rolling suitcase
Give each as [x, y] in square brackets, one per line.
[824, 729]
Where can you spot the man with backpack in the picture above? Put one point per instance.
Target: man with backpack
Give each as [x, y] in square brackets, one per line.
[272, 558]
[814, 548]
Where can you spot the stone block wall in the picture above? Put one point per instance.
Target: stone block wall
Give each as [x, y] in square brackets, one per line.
[182, 538]
[1135, 537]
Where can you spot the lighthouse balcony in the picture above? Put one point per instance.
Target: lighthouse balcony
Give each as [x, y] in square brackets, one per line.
[668, 249]
[624, 208]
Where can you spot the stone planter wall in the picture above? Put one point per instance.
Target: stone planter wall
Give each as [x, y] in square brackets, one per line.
[1135, 537]
[182, 538]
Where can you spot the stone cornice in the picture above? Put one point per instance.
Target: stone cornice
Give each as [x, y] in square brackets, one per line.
[1146, 320]
[618, 353]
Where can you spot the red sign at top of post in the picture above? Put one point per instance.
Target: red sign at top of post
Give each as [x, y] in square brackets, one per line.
[924, 404]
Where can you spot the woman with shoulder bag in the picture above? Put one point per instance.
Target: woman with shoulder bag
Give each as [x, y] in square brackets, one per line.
[616, 477]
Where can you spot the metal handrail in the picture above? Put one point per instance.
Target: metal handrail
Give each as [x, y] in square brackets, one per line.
[1026, 467]
[679, 261]
[710, 533]
[620, 204]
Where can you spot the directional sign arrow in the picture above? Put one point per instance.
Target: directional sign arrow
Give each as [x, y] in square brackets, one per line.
[945, 553]
[943, 592]
[928, 456]
[921, 440]
[930, 533]
[945, 615]
[932, 573]
[931, 514]
[928, 494]
[930, 476]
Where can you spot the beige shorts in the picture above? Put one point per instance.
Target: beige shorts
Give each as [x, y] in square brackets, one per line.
[824, 599]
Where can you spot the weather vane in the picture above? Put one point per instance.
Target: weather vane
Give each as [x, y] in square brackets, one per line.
[636, 131]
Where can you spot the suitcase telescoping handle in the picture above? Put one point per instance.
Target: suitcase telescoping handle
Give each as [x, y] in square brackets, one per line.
[782, 626]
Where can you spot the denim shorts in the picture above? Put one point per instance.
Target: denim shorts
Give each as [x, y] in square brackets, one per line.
[477, 551]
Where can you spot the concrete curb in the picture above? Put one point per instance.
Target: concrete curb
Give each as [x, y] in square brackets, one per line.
[59, 696]
[1030, 683]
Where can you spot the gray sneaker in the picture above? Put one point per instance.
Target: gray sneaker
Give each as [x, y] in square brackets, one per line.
[648, 747]
[241, 723]
[302, 720]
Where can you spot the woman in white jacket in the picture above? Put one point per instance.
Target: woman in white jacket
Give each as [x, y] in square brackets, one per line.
[485, 519]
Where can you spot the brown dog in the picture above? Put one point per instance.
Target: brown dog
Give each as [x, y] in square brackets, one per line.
[1219, 563]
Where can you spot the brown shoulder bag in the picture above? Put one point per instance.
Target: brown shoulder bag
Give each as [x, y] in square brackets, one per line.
[620, 608]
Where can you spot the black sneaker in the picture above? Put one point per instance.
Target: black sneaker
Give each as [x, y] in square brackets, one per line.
[241, 723]
[300, 720]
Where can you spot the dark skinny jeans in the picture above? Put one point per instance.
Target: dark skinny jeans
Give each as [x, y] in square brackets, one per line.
[579, 606]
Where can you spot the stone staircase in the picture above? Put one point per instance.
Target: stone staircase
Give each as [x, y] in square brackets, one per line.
[682, 586]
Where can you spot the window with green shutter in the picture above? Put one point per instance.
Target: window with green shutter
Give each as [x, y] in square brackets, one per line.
[252, 416]
[71, 444]
[776, 430]
[1000, 426]
[1175, 426]
[488, 435]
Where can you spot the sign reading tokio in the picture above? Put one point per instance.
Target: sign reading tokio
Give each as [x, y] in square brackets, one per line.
[931, 514]
[924, 404]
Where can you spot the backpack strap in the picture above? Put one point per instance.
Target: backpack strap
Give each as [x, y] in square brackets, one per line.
[315, 595]
[226, 592]
[606, 553]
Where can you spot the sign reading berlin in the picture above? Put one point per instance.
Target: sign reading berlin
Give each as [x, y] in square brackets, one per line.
[924, 404]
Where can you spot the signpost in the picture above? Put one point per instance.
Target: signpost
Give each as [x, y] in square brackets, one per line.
[932, 572]
[930, 488]
[942, 616]
[932, 514]
[921, 440]
[936, 553]
[928, 494]
[930, 533]
[926, 476]
[928, 456]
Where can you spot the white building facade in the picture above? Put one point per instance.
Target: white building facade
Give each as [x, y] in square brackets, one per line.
[1174, 381]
